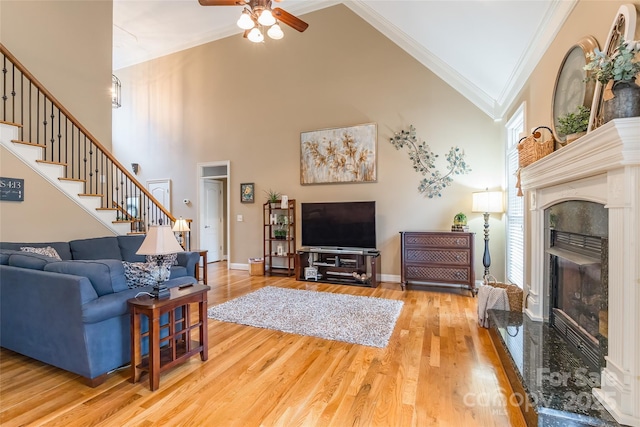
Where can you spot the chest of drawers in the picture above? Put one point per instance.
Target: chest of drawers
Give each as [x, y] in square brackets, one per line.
[436, 257]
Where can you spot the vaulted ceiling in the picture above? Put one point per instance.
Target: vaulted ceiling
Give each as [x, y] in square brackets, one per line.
[485, 49]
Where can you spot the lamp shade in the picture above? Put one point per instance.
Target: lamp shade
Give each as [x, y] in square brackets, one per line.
[487, 201]
[266, 18]
[181, 225]
[255, 35]
[160, 240]
[275, 32]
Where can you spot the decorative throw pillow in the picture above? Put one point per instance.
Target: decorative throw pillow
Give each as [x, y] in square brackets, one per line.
[140, 274]
[48, 251]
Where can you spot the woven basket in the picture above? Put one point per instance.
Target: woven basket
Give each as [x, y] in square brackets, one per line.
[533, 147]
[514, 293]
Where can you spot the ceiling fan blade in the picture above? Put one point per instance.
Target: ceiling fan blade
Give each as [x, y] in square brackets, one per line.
[292, 21]
[222, 2]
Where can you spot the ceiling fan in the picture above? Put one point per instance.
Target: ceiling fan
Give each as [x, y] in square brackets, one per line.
[257, 14]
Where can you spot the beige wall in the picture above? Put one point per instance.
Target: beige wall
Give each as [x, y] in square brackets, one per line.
[45, 215]
[593, 18]
[66, 45]
[232, 100]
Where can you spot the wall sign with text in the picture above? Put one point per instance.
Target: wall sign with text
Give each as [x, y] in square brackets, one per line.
[11, 189]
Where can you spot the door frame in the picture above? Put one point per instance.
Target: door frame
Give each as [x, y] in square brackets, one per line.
[201, 178]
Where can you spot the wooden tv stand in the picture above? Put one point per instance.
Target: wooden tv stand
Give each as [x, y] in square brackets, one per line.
[338, 266]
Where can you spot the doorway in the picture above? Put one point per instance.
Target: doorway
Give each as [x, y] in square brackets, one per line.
[213, 212]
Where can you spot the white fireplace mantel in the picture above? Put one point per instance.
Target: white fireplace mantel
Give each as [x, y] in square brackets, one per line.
[604, 167]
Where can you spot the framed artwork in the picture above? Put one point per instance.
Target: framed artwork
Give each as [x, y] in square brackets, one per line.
[339, 155]
[572, 88]
[247, 193]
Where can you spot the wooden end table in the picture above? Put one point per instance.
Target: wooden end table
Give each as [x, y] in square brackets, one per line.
[179, 344]
[203, 255]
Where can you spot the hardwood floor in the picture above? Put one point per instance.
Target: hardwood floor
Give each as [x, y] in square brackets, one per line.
[439, 369]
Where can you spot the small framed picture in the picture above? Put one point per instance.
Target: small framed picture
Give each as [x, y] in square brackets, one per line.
[280, 250]
[247, 193]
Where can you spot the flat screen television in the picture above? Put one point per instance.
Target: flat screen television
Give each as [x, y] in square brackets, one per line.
[339, 224]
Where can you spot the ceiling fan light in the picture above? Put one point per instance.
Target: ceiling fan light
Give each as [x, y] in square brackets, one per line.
[255, 35]
[275, 32]
[245, 22]
[266, 18]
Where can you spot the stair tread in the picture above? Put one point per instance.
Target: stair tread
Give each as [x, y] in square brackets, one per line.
[106, 209]
[49, 162]
[90, 195]
[4, 122]
[72, 179]
[122, 221]
[33, 144]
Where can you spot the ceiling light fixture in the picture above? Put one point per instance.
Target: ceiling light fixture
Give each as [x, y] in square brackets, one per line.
[258, 18]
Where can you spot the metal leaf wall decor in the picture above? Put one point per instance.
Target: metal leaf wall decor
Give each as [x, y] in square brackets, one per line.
[424, 162]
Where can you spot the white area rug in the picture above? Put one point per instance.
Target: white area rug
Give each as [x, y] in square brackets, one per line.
[354, 319]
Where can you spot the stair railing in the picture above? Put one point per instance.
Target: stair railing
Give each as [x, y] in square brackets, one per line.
[43, 121]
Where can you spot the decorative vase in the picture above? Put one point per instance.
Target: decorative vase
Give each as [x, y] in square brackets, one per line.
[573, 136]
[625, 102]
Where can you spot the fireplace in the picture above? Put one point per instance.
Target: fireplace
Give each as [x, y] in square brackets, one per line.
[577, 293]
[602, 169]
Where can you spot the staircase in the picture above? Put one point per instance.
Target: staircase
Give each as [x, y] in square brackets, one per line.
[36, 128]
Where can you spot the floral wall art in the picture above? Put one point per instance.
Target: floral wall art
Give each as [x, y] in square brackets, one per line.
[338, 155]
[424, 162]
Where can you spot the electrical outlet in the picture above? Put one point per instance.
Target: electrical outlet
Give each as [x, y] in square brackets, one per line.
[240, 218]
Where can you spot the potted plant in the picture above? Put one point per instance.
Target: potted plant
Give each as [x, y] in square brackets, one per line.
[273, 197]
[618, 75]
[280, 231]
[460, 219]
[574, 124]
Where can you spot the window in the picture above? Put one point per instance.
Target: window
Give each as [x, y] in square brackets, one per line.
[515, 205]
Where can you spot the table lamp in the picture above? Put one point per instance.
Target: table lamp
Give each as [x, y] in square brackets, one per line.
[182, 226]
[487, 202]
[160, 241]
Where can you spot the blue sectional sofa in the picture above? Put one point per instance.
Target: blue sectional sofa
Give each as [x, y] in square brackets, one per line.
[72, 313]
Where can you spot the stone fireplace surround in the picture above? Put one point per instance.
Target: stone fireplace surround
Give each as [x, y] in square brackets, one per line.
[602, 167]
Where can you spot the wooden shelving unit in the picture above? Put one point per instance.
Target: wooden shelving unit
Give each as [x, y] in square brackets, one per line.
[279, 238]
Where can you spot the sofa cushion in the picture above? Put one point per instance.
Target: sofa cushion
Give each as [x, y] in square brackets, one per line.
[48, 251]
[62, 248]
[114, 305]
[4, 255]
[128, 247]
[106, 275]
[30, 260]
[97, 248]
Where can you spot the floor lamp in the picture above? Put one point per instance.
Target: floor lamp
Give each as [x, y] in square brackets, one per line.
[487, 202]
